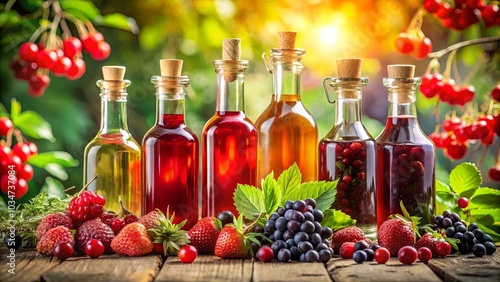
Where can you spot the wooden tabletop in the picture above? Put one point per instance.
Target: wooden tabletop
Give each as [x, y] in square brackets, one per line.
[31, 266]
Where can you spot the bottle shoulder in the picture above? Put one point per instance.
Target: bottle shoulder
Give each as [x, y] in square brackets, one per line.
[285, 114]
[231, 121]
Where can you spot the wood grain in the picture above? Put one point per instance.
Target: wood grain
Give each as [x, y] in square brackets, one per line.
[29, 266]
[292, 271]
[206, 268]
[348, 270]
[106, 268]
[467, 268]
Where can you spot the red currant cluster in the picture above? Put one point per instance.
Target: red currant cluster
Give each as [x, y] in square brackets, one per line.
[14, 171]
[35, 61]
[446, 89]
[464, 13]
[418, 46]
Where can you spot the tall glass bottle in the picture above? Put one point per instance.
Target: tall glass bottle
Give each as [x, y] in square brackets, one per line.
[405, 155]
[287, 131]
[170, 151]
[229, 137]
[348, 151]
[113, 154]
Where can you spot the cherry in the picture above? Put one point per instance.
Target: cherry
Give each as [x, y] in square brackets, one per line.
[76, 70]
[495, 93]
[443, 249]
[36, 92]
[27, 71]
[467, 18]
[496, 125]
[382, 255]
[39, 81]
[474, 3]
[33, 148]
[444, 11]
[62, 66]
[21, 188]
[422, 48]
[490, 14]
[22, 150]
[28, 52]
[424, 254]
[465, 95]
[91, 41]
[5, 125]
[117, 225]
[404, 43]
[448, 91]
[479, 129]
[63, 251]
[72, 46]
[46, 58]
[431, 84]
[463, 202]
[407, 255]
[455, 150]
[451, 124]
[432, 6]
[187, 254]
[102, 52]
[94, 248]
[488, 140]
[436, 138]
[4, 182]
[494, 173]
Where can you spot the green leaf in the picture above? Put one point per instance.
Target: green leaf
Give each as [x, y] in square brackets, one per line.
[34, 125]
[54, 187]
[485, 198]
[9, 18]
[83, 9]
[271, 193]
[3, 111]
[288, 181]
[31, 5]
[249, 201]
[465, 179]
[323, 192]
[61, 158]
[488, 217]
[15, 110]
[57, 171]
[118, 20]
[336, 219]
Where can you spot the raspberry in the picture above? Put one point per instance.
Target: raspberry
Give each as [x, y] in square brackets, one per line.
[347, 250]
[87, 206]
[93, 229]
[52, 220]
[54, 237]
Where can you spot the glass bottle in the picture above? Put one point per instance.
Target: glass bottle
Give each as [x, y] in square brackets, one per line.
[170, 151]
[405, 155]
[287, 131]
[348, 151]
[113, 154]
[229, 137]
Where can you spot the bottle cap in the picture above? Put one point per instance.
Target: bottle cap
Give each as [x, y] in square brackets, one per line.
[401, 71]
[286, 39]
[349, 68]
[170, 67]
[404, 93]
[231, 49]
[113, 73]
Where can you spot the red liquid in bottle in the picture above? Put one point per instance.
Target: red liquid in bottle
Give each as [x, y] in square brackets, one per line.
[229, 158]
[405, 170]
[171, 159]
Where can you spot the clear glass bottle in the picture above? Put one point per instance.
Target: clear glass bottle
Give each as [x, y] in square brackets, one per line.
[114, 154]
[405, 155]
[170, 152]
[348, 153]
[287, 131]
[229, 141]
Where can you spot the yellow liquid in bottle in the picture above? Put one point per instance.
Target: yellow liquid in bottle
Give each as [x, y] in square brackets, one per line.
[287, 134]
[117, 161]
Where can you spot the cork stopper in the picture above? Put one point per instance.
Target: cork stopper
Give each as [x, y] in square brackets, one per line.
[113, 73]
[231, 49]
[401, 71]
[349, 68]
[286, 39]
[170, 67]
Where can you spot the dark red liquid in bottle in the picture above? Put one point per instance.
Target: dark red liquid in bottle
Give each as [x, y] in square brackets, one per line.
[229, 158]
[170, 166]
[405, 170]
[353, 164]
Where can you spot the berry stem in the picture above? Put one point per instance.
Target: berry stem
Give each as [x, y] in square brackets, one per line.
[56, 7]
[416, 23]
[77, 22]
[474, 70]
[447, 71]
[459, 45]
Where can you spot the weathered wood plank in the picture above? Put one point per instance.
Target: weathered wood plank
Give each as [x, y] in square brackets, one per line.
[29, 265]
[206, 268]
[106, 268]
[348, 270]
[467, 268]
[292, 271]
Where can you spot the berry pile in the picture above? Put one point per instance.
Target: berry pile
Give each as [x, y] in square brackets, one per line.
[297, 234]
[446, 89]
[463, 13]
[14, 171]
[354, 194]
[472, 239]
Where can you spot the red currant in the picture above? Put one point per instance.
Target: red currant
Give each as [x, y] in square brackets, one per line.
[265, 254]
[463, 202]
[26, 172]
[27, 71]
[62, 66]
[28, 52]
[63, 251]
[495, 93]
[91, 41]
[33, 148]
[187, 254]
[455, 150]
[451, 124]
[46, 58]
[94, 248]
[22, 150]
[21, 188]
[431, 84]
[404, 43]
[490, 14]
[39, 81]
[382, 255]
[443, 249]
[76, 70]
[494, 173]
[102, 52]
[424, 254]
[432, 6]
[407, 255]
[72, 46]
[36, 92]
[422, 48]
[444, 11]
[5, 126]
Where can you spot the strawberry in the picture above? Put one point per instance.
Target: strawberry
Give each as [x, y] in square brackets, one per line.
[346, 250]
[94, 229]
[429, 241]
[54, 237]
[347, 234]
[398, 231]
[132, 241]
[231, 244]
[53, 220]
[203, 235]
[150, 220]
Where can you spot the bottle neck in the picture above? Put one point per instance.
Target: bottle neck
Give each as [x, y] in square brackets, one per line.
[402, 96]
[286, 81]
[113, 115]
[230, 86]
[348, 111]
[170, 99]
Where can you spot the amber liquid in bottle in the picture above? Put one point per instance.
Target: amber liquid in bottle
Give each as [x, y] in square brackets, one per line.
[114, 154]
[170, 155]
[348, 153]
[287, 131]
[405, 158]
[229, 144]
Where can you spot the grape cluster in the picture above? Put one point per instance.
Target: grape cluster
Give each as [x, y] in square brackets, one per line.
[14, 171]
[472, 239]
[457, 133]
[296, 233]
[464, 13]
[65, 59]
